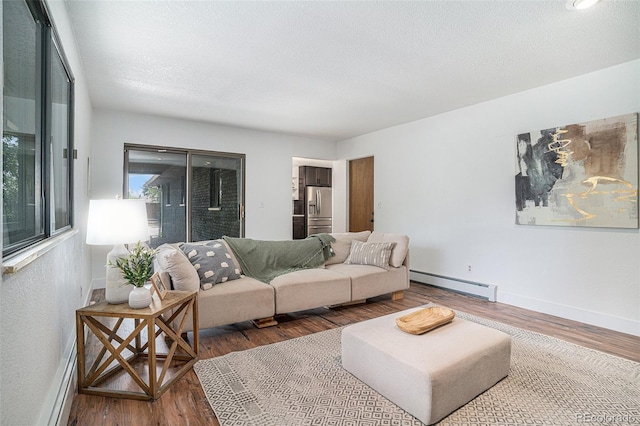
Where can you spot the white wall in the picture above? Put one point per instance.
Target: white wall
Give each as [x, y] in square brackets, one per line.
[38, 303]
[340, 176]
[268, 164]
[448, 182]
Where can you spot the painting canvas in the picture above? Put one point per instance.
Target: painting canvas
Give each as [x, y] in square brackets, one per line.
[583, 174]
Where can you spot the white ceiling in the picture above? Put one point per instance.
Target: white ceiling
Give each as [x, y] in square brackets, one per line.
[335, 70]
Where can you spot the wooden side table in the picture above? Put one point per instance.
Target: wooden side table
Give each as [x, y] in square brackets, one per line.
[128, 348]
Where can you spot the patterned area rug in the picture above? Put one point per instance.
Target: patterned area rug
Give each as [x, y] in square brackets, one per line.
[301, 382]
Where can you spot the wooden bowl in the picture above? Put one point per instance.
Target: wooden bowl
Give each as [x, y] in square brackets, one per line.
[426, 319]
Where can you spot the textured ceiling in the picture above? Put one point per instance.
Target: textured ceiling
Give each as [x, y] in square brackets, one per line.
[335, 70]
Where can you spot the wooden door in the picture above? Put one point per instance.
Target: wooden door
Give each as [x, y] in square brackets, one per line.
[361, 194]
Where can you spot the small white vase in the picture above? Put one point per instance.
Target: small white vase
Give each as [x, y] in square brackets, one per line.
[140, 297]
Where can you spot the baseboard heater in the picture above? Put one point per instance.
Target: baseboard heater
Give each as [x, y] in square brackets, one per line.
[486, 291]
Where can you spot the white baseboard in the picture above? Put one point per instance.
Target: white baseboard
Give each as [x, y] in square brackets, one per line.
[72, 385]
[598, 319]
[57, 406]
[99, 283]
[61, 392]
[486, 291]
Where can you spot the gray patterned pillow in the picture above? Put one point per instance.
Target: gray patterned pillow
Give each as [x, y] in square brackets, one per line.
[375, 254]
[212, 262]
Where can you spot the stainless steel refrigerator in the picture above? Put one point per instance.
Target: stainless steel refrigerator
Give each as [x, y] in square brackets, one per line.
[318, 209]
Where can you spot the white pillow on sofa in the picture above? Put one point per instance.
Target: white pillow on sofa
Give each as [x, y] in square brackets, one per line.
[342, 245]
[374, 254]
[400, 249]
[183, 275]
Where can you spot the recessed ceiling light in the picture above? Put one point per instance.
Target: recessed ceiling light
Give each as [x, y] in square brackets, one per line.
[580, 4]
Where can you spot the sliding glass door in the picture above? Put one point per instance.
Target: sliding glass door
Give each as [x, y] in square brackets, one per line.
[159, 177]
[190, 195]
[216, 196]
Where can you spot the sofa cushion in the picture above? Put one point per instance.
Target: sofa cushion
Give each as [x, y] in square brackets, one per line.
[370, 281]
[400, 249]
[212, 262]
[231, 302]
[310, 288]
[374, 254]
[342, 245]
[171, 260]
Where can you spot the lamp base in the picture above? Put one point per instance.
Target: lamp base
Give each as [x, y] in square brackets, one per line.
[117, 293]
[117, 288]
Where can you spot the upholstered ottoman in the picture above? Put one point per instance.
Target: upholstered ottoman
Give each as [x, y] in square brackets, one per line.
[428, 375]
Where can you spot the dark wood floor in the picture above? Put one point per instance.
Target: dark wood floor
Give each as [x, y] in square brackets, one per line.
[185, 404]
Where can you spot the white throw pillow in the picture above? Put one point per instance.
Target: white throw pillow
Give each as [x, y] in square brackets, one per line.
[374, 254]
[342, 245]
[400, 250]
[183, 276]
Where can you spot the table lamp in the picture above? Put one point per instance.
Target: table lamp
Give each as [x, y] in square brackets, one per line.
[117, 222]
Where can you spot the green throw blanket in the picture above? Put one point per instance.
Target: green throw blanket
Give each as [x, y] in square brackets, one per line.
[265, 260]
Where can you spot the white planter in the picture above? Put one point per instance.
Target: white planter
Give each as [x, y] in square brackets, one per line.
[140, 297]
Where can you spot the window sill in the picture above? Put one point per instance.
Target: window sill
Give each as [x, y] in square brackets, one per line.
[15, 263]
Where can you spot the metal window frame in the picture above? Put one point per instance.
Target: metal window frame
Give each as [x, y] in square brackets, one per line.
[50, 44]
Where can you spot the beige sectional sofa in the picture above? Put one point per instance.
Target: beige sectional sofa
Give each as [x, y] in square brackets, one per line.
[342, 279]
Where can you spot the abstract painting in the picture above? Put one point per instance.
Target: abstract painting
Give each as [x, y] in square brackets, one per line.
[583, 174]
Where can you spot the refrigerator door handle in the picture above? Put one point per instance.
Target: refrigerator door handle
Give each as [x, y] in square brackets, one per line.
[319, 198]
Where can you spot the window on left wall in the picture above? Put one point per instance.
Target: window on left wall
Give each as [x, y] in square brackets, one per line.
[37, 123]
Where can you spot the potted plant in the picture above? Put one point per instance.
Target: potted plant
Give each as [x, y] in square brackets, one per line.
[137, 268]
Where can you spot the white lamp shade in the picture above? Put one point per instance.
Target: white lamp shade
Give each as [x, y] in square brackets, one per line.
[117, 222]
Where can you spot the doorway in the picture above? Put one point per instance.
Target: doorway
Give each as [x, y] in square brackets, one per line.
[361, 195]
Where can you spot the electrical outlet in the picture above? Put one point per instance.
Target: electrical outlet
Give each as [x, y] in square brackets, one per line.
[469, 268]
